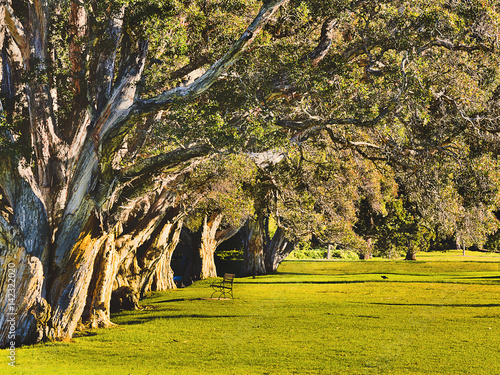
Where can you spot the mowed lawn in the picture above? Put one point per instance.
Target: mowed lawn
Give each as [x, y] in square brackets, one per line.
[439, 315]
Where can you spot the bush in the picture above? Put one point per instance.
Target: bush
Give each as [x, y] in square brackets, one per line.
[345, 254]
[305, 251]
[234, 254]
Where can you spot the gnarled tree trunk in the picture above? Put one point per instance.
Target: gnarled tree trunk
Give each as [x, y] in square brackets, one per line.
[253, 260]
[208, 245]
[277, 250]
[74, 213]
[201, 246]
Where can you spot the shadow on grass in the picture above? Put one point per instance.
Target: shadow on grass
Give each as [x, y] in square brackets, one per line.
[84, 334]
[437, 304]
[178, 300]
[496, 278]
[307, 282]
[143, 320]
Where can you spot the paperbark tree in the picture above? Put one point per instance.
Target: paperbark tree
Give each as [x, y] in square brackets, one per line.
[276, 250]
[253, 241]
[200, 246]
[212, 235]
[77, 212]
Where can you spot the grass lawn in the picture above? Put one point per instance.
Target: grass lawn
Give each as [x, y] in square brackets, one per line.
[439, 315]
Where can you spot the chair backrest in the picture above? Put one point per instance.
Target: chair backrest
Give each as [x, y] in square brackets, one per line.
[228, 278]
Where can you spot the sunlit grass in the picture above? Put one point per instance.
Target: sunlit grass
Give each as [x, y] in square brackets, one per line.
[313, 317]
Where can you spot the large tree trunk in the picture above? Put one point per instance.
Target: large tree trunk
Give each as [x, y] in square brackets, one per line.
[411, 254]
[253, 260]
[21, 288]
[277, 250]
[199, 259]
[208, 245]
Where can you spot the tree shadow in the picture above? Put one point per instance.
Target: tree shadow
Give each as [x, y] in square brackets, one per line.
[84, 333]
[307, 282]
[143, 320]
[475, 305]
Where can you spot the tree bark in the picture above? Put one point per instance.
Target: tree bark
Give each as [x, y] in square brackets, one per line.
[72, 227]
[277, 250]
[411, 255]
[253, 260]
[208, 245]
[22, 290]
[200, 260]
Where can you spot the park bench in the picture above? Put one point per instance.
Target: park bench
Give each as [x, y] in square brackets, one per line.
[224, 286]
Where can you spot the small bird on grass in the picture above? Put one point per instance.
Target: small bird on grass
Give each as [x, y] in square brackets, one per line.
[384, 277]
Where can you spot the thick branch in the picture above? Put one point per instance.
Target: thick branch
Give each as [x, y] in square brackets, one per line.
[304, 125]
[164, 160]
[226, 233]
[206, 80]
[324, 44]
[112, 133]
[102, 72]
[15, 28]
[461, 47]
[188, 68]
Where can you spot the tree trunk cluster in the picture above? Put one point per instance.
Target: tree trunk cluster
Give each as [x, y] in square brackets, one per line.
[77, 222]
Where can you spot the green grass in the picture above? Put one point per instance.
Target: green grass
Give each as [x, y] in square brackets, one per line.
[439, 315]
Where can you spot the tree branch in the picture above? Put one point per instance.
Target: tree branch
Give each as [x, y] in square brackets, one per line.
[354, 145]
[460, 47]
[206, 80]
[324, 44]
[102, 72]
[115, 126]
[15, 28]
[168, 159]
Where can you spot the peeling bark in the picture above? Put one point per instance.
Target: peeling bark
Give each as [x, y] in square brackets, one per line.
[253, 261]
[159, 275]
[325, 42]
[69, 289]
[201, 246]
[208, 245]
[72, 233]
[21, 288]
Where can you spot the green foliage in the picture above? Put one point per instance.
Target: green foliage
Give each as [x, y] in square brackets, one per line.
[235, 254]
[493, 242]
[405, 99]
[402, 230]
[11, 143]
[218, 185]
[304, 251]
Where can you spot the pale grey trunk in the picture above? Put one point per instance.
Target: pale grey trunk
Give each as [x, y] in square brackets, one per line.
[211, 237]
[159, 275]
[208, 245]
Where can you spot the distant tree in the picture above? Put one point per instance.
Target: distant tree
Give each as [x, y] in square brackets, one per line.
[217, 205]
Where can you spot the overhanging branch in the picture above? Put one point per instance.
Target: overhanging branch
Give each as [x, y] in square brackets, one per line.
[116, 125]
[324, 44]
[461, 47]
[168, 159]
[206, 80]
